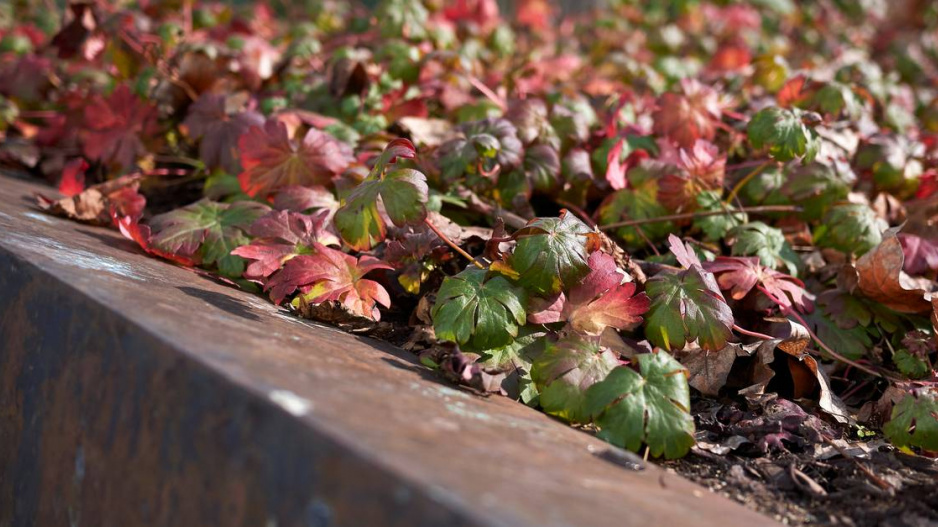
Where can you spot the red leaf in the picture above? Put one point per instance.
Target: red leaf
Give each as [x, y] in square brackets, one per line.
[599, 301]
[73, 177]
[731, 57]
[615, 171]
[699, 168]
[683, 252]
[740, 275]
[690, 115]
[281, 235]
[218, 129]
[271, 160]
[113, 127]
[536, 14]
[921, 255]
[131, 228]
[300, 199]
[331, 275]
[482, 13]
[791, 92]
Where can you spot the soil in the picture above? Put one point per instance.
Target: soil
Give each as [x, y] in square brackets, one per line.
[798, 482]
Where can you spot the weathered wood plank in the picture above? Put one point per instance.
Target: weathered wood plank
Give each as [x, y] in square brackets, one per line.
[133, 392]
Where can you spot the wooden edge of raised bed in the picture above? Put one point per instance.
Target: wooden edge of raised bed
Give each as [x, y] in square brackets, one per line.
[133, 392]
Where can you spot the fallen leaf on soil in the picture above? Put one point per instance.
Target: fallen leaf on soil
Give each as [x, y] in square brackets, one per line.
[879, 276]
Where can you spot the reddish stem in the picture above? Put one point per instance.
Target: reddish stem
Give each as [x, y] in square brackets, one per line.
[755, 334]
[788, 311]
[449, 242]
[494, 97]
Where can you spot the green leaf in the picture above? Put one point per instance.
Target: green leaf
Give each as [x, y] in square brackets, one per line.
[914, 422]
[403, 191]
[208, 229]
[768, 243]
[572, 118]
[852, 343]
[407, 18]
[466, 155]
[892, 160]
[834, 98]
[687, 306]
[478, 311]
[850, 228]
[508, 153]
[816, 186]
[910, 365]
[784, 134]
[651, 406]
[638, 201]
[519, 356]
[551, 253]
[566, 370]
[764, 188]
[715, 227]
[519, 353]
[542, 167]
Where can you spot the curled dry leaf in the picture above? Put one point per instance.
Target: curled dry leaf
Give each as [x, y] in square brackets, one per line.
[94, 204]
[879, 276]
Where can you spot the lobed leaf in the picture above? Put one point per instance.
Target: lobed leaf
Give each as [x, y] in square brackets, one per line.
[551, 253]
[687, 307]
[565, 371]
[208, 231]
[784, 134]
[478, 310]
[651, 406]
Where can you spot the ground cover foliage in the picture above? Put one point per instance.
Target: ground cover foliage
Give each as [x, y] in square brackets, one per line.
[603, 214]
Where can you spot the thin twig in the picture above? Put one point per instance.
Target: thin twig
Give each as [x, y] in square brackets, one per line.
[878, 481]
[160, 65]
[702, 214]
[746, 179]
[449, 242]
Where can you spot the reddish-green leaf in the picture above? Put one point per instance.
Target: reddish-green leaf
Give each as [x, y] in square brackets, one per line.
[687, 307]
[281, 235]
[402, 191]
[599, 301]
[207, 231]
[272, 160]
[330, 275]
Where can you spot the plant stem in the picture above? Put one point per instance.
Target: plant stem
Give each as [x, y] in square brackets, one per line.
[789, 311]
[746, 179]
[755, 334]
[477, 204]
[449, 242]
[494, 97]
[702, 214]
